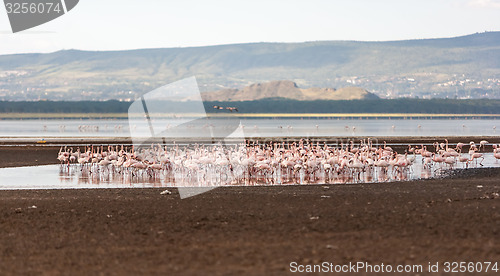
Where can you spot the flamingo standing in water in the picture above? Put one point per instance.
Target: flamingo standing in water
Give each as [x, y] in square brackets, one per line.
[464, 160]
[381, 163]
[450, 161]
[438, 158]
[63, 155]
[475, 155]
[496, 155]
[482, 144]
[496, 151]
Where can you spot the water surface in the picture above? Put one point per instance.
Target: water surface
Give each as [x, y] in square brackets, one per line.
[64, 177]
[259, 127]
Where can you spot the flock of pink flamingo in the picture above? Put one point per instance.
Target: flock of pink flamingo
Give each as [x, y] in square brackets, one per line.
[296, 162]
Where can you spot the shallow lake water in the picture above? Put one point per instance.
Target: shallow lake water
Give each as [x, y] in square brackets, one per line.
[64, 177]
[261, 127]
[55, 176]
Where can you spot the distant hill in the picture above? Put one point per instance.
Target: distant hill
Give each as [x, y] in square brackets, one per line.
[463, 67]
[286, 90]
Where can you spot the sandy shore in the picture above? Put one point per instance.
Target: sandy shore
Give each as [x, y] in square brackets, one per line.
[247, 230]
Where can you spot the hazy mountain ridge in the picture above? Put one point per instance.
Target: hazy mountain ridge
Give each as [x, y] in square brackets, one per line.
[467, 66]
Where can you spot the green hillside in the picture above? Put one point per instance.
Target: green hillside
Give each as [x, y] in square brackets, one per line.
[467, 66]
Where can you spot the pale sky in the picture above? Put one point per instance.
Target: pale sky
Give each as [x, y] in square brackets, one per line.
[125, 24]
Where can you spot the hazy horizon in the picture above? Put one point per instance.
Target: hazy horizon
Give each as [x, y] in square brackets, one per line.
[243, 43]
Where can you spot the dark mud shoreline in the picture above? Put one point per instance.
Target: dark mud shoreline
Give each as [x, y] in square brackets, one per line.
[247, 230]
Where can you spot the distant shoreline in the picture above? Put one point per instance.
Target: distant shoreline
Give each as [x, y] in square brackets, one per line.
[273, 106]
